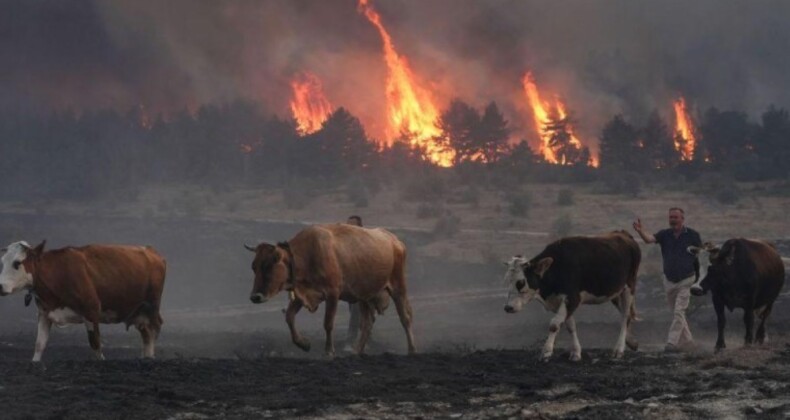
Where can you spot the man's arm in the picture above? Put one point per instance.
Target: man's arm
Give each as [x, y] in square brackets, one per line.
[646, 236]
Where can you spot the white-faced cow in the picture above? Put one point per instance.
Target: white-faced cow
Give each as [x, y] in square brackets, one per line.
[328, 263]
[578, 270]
[742, 273]
[91, 284]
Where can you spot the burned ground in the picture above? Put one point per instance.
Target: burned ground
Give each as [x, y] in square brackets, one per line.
[488, 383]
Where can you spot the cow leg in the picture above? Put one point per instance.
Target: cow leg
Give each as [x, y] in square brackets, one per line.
[554, 327]
[405, 314]
[290, 317]
[147, 334]
[721, 321]
[576, 353]
[625, 311]
[366, 319]
[761, 337]
[94, 338]
[630, 342]
[42, 335]
[329, 324]
[748, 320]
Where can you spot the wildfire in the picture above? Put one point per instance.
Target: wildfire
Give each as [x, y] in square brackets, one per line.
[309, 105]
[542, 115]
[411, 108]
[685, 128]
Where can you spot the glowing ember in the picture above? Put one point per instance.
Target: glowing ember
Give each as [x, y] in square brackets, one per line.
[543, 116]
[411, 108]
[685, 128]
[309, 105]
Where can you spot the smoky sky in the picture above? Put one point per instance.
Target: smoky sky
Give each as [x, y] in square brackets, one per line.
[601, 57]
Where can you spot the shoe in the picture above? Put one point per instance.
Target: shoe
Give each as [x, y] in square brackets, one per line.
[671, 348]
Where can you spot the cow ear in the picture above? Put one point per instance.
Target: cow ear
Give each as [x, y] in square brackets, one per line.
[39, 249]
[694, 250]
[730, 257]
[543, 265]
[713, 254]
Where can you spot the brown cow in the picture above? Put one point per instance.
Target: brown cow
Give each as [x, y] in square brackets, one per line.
[91, 284]
[742, 273]
[330, 263]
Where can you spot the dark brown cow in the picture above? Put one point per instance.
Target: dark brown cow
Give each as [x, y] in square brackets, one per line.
[577, 270]
[743, 273]
[91, 284]
[328, 263]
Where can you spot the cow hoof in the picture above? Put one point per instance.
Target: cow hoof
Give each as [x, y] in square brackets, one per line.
[632, 344]
[719, 349]
[303, 344]
[545, 357]
[330, 356]
[576, 357]
[617, 354]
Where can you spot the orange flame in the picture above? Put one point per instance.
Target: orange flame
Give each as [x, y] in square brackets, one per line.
[685, 128]
[411, 108]
[542, 115]
[309, 106]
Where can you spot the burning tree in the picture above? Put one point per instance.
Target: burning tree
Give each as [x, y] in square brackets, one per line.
[309, 105]
[411, 107]
[459, 126]
[547, 122]
[494, 134]
[564, 146]
[685, 138]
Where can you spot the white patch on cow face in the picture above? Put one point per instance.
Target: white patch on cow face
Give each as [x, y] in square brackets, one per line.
[63, 316]
[519, 293]
[703, 257]
[14, 277]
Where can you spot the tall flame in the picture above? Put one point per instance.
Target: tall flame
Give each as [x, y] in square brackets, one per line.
[411, 108]
[309, 105]
[685, 128]
[542, 115]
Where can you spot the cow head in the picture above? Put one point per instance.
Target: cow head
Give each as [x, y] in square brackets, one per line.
[714, 266]
[272, 270]
[19, 263]
[523, 278]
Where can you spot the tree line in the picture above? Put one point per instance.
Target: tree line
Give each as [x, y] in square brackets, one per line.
[100, 153]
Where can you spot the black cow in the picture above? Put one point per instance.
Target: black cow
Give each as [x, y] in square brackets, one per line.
[577, 270]
[742, 273]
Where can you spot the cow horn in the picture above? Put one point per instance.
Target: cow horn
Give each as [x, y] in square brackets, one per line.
[249, 248]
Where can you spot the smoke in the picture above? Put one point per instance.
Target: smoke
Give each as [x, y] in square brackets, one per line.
[601, 58]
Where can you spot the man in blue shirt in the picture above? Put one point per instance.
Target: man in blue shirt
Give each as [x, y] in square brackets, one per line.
[681, 269]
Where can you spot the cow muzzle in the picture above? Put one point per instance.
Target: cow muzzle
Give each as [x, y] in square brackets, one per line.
[510, 309]
[697, 291]
[257, 298]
